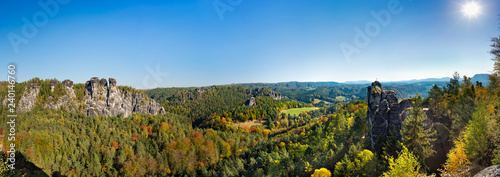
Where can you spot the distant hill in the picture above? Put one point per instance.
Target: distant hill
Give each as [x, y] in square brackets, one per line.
[353, 90]
[480, 78]
[443, 79]
[294, 84]
[291, 84]
[358, 82]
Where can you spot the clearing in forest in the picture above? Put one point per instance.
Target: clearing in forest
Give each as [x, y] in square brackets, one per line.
[297, 111]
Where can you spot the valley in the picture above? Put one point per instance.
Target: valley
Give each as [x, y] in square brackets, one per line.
[235, 88]
[228, 130]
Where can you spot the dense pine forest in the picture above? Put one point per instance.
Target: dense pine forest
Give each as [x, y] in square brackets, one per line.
[245, 130]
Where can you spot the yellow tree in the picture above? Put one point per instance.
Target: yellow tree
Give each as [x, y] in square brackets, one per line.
[405, 165]
[322, 172]
[458, 163]
[480, 134]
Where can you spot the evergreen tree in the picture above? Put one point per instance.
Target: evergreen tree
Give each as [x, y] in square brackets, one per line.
[494, 78]
[415, 136]
[496, 53]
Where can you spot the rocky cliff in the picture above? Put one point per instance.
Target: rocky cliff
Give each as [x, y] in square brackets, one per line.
[250, 102]
[492, 171]
[29, 97]
[65, 101]
[262, 92]
[277, 96]
[103, 100]
[100, 99]
[385, 113]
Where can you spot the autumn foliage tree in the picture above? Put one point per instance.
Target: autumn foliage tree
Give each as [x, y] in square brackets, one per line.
[458, 163]
[406, 164]
[322, 172]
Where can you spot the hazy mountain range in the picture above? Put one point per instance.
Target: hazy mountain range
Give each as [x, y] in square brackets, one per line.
[295, 84]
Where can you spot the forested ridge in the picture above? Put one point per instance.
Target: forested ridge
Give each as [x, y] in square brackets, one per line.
[308, 92]
[220, 106]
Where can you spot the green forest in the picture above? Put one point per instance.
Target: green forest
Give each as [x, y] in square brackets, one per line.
[212, 131]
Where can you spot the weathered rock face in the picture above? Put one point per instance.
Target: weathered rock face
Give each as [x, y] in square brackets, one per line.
[118, 103]
[200, 90]
[145, 106]
[5, 100]
[492, 171]
[277, 96]
[96, 96]
[29, 97]
[99, 99]
[65, 101]
[162, 110]
[251, 102]
[68, 85]
[199, 93]
[385, 114]
[53, 85]
[441, 145]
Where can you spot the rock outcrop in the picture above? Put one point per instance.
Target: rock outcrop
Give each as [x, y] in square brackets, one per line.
[68, 85]
[29, 97]
[53, 84]
[100, 99]
[251, 102]
[277, 96]
[492, 171]
[65, 101]
[261, 92]
[385, 113]
[441, 145]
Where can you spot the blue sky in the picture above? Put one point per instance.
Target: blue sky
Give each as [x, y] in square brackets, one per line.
[256, 41]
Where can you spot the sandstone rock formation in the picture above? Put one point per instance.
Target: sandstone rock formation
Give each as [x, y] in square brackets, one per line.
[492, 171]
[65, 101]
[251, 102]
[29, 97]
[441, 145]
[99, 99]
[385, 113]
[53, 85]
[68, 85]
[277, 96]
[261, 92]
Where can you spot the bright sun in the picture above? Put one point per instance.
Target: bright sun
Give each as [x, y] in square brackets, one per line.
[471, 9]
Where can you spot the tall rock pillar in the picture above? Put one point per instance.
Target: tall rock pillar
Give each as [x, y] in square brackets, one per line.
[385, 114]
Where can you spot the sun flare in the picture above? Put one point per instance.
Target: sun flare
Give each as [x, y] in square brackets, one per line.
[471, 9]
